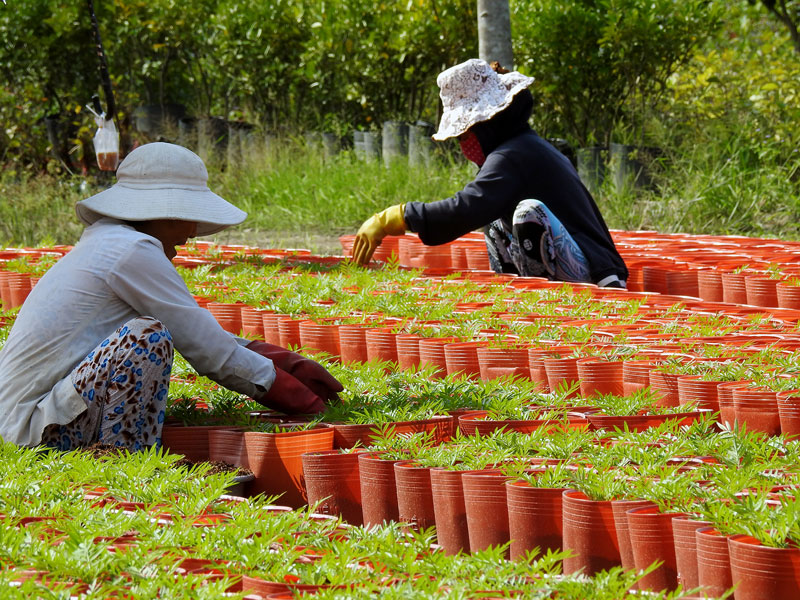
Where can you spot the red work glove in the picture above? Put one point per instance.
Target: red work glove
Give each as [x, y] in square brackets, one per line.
[309, 372]
[289, 396]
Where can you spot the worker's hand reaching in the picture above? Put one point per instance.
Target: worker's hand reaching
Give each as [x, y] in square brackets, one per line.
[388, 222]
[288, 395]
[307, 372]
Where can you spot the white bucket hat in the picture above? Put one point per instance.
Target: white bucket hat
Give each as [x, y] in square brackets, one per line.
[472, 92]
[162, 181]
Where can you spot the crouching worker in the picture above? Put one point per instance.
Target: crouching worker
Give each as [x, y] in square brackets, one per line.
[88, 359]
[537, 216]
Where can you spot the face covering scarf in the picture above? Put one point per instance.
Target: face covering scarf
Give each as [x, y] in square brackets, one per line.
[471, 148]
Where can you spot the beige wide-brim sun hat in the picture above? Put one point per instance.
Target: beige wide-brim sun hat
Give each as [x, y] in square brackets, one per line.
[162, 181]
[473, 92]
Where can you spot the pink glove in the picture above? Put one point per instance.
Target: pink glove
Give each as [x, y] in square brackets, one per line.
[289, 396]
[308, 372]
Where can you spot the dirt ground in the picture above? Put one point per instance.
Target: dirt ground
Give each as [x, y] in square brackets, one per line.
[325, 245]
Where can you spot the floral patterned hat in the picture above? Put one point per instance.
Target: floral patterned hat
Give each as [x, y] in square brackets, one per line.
[472, 92]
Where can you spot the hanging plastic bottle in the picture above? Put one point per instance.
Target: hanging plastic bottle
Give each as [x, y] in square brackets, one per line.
[106, 142]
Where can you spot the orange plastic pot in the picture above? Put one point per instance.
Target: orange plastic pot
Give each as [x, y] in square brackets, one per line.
[5, 290]
[713, 562]
[378, 488]
[503, 362]
[252, 322]
[486, 507]
[589, 534]
[651, 540]
[192, 442]
[458, 255]
[760, 571]
[682, 281]
[229, 316]
[461, 358]
[431, 354]
[534, 518]
[636, 375]
[277, 463]
[320, 337]
[692, 389]
[407, 350]
[353, 344]
[450, 513]
[727, 413]
[538, 374]
[562, 372]
[381, 345]
[789, 412]
[761, 291]
[478, 258]
[654, 278]
[333, 485]
[665, 387]
[787, 295]
[270, 322]
[620, 509]
[685, 542]
[414, 495]
[733, 288]
[227, 446]
[288, 331]
[756, 408]
[387, 249]
[600, 377]
[19, 286]
[709, 285]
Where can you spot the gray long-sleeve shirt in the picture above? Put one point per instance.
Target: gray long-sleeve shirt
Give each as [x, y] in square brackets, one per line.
[113, 274]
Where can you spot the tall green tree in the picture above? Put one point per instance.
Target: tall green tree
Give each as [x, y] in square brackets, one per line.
[600, 63]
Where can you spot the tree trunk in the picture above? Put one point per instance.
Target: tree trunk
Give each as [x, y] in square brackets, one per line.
[494, 32]
[789, 16]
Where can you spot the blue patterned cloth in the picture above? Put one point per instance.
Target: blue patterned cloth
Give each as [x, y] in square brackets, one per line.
[124, 383]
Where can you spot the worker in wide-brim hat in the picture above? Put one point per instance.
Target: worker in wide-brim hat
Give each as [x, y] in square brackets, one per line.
[89, 357]
[537, 216]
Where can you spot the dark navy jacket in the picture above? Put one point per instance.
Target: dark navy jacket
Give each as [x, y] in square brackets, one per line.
[523, 167]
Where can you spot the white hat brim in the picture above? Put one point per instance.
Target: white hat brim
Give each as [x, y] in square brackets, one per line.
[211, 212]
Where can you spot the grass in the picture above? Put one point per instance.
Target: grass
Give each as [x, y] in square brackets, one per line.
[297, 196]
[713, 190]
[294, 194]
[294, 186]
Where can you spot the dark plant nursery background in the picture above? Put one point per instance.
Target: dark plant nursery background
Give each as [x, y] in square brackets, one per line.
[702, 98]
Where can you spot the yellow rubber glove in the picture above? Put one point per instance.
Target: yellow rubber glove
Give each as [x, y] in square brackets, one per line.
[388, 222]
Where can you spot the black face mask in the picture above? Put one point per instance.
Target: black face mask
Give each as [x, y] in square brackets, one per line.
[508, 123]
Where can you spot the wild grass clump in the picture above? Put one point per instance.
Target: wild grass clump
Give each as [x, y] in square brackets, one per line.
[293, 186]
[38, 210]
[287, 186]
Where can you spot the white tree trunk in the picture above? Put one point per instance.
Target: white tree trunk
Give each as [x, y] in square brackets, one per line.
[494, 32]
